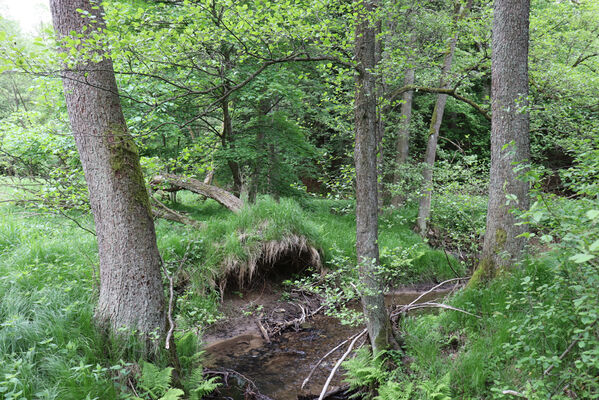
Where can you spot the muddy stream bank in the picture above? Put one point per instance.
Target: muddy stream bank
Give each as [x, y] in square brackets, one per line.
[278, 368]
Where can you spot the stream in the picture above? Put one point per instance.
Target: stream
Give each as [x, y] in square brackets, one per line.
[279, 368]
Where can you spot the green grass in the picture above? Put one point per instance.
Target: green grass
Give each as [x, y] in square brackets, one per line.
[328, 225]
[49, 348]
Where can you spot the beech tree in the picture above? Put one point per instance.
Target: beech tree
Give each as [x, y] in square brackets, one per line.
[510, 143]
[131, 292]
[373, 300]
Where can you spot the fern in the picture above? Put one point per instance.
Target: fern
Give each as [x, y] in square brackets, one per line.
[173, 394]
[198, 387]
[392, 390]
[436, 390]
[155, 381]
[362, 370]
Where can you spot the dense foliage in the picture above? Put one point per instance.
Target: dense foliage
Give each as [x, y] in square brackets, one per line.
[256, 97]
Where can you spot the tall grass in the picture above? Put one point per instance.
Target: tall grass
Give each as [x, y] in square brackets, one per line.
[49, 348]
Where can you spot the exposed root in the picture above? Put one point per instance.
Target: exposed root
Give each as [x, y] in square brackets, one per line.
[266, 255]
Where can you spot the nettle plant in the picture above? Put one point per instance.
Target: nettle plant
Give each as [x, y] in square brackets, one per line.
[558, 340]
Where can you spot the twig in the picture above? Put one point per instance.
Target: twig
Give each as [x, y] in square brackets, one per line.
[514, 393]
[324, 358]
[171, 323]
[263, 331]
[170, 307]
[436, 287]
[336, 367]
[561, 357]
[439, 305]
[449, 263]
[132, 387]
[284, 325]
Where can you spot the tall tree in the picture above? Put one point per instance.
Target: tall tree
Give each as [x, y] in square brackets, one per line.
[373, 300]
[402, 145]
[131, 292]
[424, 204]
[510, 143]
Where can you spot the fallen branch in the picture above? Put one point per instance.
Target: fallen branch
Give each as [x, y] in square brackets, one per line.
[162, 211]
[338, 364]
[263, 331]
[225, 198]
[281, 326]
[514, 393]
[436, 287]
[440, 305]
[561, 357]
[324, 358]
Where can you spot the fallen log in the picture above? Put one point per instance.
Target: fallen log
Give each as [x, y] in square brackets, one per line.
[225, 198]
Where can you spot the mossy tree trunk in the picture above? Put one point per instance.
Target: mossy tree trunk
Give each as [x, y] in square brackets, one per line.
[377, 320]
[131, 291]
[509, 137]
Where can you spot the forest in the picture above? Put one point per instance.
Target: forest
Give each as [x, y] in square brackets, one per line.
[300, 199]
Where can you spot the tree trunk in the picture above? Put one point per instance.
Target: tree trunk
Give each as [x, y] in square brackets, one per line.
[228, 140]
[403, 136]
[509, 137]
[131, 292]
[424, 205]
[377, 320]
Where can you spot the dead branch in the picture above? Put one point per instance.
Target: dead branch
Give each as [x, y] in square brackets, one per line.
[514, 393]
[436, 287]
[324, 358]
[263, 331]
[225, 198]
[162, 211]
[561, 357]
[338, 364]
[281, 326]
[437, 305]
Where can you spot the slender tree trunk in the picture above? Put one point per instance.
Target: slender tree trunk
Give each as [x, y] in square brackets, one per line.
[403, 136]
[424, 206]
[131, 292]
[367, 249]
[380, 124]
[228, 140]
[509, 137]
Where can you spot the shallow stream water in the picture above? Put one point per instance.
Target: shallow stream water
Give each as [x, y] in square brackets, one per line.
[279, 368]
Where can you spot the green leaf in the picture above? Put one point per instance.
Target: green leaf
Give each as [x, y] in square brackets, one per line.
[594, 246]
[592, 214]
[581, 258]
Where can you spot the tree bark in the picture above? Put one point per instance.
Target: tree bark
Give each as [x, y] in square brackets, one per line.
[225, 198]
[131, 292]
[403, 136]
[228, 140]
[510, 142]
[424, 204]
[377, 320]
